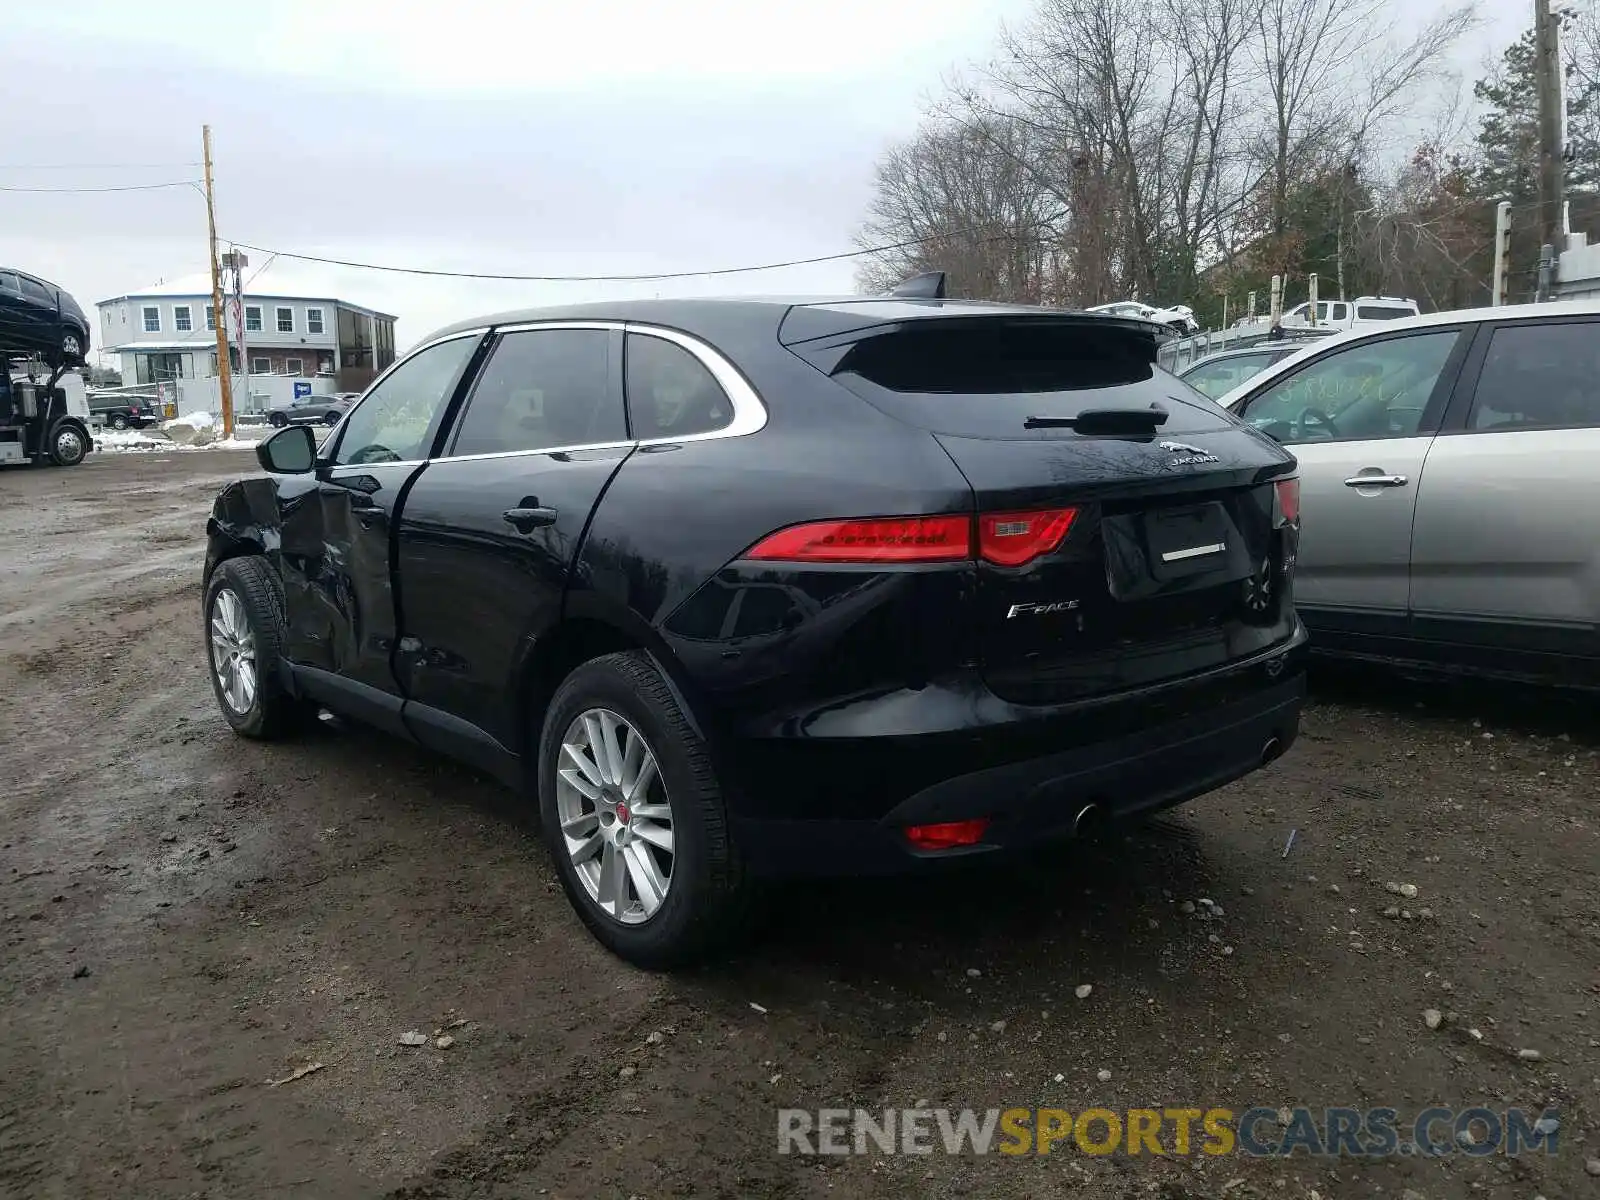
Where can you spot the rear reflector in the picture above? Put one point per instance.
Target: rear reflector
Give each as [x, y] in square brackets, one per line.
[948, 835]
[1005, 539]
[1012, 539]
[1289, 501]
[886, 539]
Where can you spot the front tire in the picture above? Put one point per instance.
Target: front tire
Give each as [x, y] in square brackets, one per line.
[632, 810]
[331, 420]
[244, 632]
[68, 445]
[277, 420]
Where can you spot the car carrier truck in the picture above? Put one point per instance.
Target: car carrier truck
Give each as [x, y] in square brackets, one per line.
[44, 412]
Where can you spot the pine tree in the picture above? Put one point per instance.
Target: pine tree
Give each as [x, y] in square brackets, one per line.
[1508, 137]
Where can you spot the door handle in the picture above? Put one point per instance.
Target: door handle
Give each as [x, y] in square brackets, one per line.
[1360, 481]
[528, 519]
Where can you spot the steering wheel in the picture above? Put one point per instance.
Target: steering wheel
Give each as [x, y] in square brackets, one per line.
[374, 453]
[1313, 418]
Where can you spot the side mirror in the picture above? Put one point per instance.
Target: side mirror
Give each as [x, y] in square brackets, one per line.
[290, 451]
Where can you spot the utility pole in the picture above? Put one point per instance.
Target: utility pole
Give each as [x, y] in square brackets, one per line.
[1311, 295]
[224, 375]
[1547, 51]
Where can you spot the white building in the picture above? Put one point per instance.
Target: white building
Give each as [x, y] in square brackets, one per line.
[168, 333]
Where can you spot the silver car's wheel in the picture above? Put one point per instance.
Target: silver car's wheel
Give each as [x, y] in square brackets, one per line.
[233, 652]
[615, 816]
[71, 345]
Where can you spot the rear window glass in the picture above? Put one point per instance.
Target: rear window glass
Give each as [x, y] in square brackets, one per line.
[986, 381]
[1379, 312]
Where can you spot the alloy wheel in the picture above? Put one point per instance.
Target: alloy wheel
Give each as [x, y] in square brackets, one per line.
[233, 651]
[615, 815]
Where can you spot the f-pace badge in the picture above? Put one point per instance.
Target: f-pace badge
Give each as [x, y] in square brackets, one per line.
[1189, 455]
[1041, 610]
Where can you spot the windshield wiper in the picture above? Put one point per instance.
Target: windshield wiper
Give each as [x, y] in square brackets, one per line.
[1105, 420]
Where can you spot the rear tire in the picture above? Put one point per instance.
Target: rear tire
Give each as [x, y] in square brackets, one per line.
[244, 634]
[331, 420]
[707, 896]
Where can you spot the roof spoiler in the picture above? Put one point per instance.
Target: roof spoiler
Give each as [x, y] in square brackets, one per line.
[927, 286]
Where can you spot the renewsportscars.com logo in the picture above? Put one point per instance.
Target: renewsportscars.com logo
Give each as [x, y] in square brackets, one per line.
[1256, 1132]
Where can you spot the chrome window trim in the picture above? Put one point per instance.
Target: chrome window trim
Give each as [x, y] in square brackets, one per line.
[749, 413]
[540, 450]
[335, 468]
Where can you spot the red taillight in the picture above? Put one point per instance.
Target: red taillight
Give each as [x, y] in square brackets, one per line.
[1005, 539]
[1012, 539]
[1289, 500]
[880, 539]
[948, 834]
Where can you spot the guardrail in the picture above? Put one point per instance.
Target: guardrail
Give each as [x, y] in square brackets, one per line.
[1179, 353]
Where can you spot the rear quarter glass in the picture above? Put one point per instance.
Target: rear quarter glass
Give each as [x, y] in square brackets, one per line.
[987, 382]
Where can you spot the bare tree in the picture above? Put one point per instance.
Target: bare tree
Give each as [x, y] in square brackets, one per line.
[958, 199]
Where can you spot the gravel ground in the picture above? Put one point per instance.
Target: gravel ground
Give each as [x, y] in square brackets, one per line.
[190, 919]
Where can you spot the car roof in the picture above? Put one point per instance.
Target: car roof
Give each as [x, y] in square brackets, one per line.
[1434, 320]
[1262, 347]
[705, 316]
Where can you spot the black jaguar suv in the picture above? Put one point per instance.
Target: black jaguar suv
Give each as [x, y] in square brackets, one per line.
[742, 588]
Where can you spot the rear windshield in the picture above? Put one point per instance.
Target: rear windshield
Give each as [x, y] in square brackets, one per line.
[986, 381]
[1382, 312]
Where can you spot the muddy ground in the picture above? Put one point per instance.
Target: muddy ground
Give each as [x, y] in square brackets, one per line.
[188, 916]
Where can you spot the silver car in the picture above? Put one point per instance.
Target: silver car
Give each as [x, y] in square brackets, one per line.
[1450, 482]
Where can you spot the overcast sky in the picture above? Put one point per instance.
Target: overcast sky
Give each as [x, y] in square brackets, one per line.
[527, 136]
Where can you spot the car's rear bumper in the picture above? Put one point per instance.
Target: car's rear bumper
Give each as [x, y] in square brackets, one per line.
[1028, 799]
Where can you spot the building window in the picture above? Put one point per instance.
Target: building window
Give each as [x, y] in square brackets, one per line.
[294, 366]
[252, 318]
[152, 319]
[261, 366]
[211, 320]
[325, 364]
[182, 318]
[314, 320]
[286, 320]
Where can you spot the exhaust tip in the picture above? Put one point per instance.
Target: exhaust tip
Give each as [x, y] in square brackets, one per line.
[1272, 750]
[1087, 822]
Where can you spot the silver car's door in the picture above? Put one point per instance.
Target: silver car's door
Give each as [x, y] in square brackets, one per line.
[1360, 418]
[1506, 552]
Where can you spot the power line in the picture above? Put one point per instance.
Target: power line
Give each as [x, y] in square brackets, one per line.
[167, 166]
[795, 262]
[126, 187]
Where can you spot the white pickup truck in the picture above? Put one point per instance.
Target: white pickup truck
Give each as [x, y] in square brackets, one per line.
[1361, 313]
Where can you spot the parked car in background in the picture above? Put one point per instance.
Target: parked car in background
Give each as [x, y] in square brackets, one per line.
[1449, 474]
[1219, 373]
[1363, 312]
[38, 317]
[122, 412]
[1180, 317]
[313, 410]
[744, 588]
